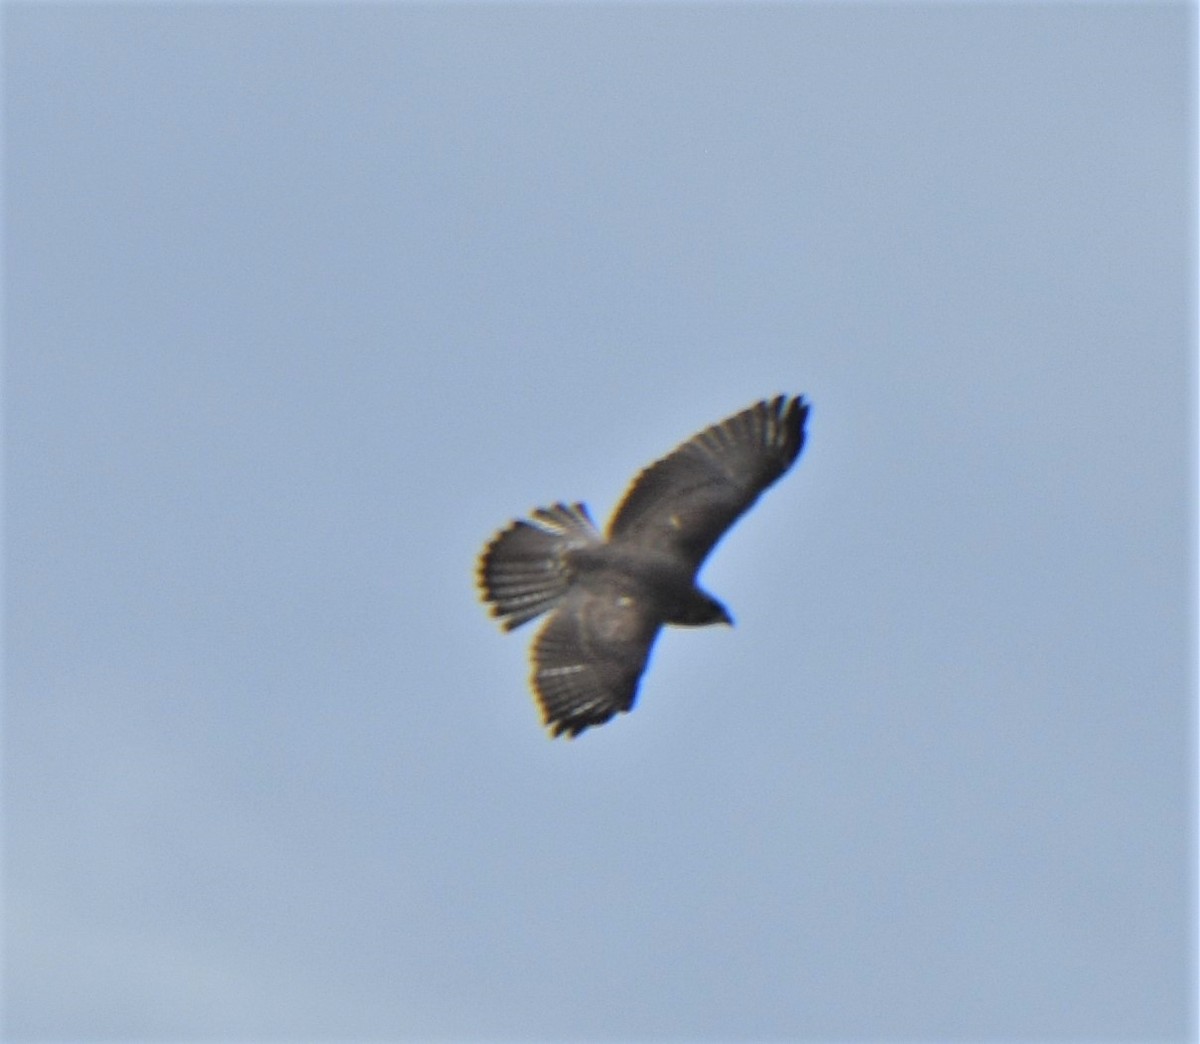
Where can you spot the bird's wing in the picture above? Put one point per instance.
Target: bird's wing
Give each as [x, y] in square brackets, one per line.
[685, 502]
[589, 656]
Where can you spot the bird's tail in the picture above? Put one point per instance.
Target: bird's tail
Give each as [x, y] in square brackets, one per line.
[524, 570]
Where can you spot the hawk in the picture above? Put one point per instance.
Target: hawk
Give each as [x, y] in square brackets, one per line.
[607, 598]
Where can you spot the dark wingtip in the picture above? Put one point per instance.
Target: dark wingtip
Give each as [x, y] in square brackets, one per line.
[799, 407]
[791, 414]
[570, 726]
[565, 728]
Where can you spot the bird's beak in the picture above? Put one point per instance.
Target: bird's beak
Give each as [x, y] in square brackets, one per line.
[726, 618]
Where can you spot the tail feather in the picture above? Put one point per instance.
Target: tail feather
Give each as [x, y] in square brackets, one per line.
[524, 571]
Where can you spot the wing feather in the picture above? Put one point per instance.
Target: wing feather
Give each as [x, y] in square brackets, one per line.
[685, 502]
[589, 657]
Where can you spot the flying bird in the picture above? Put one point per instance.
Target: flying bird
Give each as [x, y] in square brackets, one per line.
[607, 598]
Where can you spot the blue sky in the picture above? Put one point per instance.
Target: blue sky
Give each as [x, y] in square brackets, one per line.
[302, 303]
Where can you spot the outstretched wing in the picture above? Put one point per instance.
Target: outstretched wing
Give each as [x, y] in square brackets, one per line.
[589, 657]
[685, 502]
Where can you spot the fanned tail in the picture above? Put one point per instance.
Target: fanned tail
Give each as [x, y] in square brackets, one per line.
[523, 571]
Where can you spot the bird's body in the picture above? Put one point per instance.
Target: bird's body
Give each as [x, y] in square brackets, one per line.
[639, 572]
[608, 598]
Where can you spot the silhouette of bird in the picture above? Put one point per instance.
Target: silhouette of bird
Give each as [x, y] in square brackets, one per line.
[607, 599]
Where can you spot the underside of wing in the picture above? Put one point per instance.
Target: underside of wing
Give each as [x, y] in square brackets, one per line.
[589, 657]
[685, 502]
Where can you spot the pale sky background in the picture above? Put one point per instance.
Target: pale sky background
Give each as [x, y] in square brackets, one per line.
[303, 302]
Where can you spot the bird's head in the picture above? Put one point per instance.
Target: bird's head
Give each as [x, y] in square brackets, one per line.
[704, 609]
